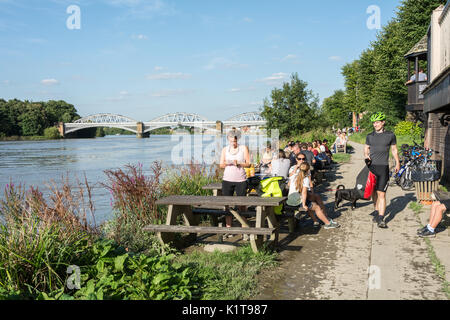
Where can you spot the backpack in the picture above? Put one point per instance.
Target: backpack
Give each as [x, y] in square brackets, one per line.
[272, 187]
[365, 183]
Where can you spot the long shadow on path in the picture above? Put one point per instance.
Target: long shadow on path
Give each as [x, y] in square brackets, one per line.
[397, 205]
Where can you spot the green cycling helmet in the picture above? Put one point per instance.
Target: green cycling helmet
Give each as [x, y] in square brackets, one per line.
[379, 116]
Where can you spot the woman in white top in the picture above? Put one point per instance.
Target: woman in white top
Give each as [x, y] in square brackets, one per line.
[234, 159]
[300, 184]
[280, 165]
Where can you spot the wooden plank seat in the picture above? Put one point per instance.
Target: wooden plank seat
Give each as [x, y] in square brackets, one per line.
[341, 148]
[207, 229]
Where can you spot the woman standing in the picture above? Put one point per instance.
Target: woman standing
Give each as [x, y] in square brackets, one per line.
[234, 159]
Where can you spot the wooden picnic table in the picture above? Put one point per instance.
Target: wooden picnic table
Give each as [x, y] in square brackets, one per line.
[183, 205]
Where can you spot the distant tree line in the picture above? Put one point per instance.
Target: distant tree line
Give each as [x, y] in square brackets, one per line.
[26, 118]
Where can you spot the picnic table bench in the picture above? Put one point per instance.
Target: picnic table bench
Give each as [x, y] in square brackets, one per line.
[289, 212]
[189, 206]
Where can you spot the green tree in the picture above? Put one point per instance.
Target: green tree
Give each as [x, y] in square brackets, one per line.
[292, 109]
[376, 81]
[335, 111]
[33, 121]
[60, 111]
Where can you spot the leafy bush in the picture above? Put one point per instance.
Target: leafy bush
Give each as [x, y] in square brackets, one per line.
[317, 134]
[52, 133]
[114, 274]
[408, 128]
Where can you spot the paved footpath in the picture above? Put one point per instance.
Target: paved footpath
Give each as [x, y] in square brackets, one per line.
[359, 260]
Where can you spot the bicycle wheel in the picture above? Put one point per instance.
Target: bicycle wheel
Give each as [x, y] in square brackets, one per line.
[406, 184]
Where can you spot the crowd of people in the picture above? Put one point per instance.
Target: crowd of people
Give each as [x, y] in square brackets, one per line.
[297, 163]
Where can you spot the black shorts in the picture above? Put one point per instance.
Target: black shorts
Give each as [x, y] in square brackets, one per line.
[382, 174]
[228, 188]
[446, 203]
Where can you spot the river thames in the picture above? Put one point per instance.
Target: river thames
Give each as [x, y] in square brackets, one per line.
[37, 163]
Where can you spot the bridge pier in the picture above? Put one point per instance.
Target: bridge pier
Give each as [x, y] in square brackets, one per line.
[62, 129]
[140, 131]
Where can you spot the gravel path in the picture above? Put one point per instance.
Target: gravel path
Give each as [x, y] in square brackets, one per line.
[359, 260]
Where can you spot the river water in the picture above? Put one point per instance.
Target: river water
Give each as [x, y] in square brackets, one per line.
[37, 163]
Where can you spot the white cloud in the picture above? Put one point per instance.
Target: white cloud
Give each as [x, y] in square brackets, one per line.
[290, 58]
[235, 90]
[169, 76]
[247, 19]
[335, 58]
[49, 82]
[139, 37]
[6, 82]
[275, 78]
[158, 68]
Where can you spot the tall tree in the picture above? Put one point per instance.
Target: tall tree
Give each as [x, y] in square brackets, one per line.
[335, 111]
[292, 109]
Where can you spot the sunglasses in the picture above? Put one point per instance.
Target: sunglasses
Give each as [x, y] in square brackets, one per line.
[301, 158]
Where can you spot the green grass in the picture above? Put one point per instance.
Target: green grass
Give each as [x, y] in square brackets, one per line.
[229, 276]
[439, 268]
[341, 157]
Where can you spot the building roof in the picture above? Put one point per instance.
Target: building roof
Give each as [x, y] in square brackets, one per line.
[419, 48]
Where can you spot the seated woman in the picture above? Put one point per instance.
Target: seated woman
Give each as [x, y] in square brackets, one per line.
[234, 159]
[437, 211]
[280, 165]
[340, 141]
[300, 194]
[266, 159]
[315, 149]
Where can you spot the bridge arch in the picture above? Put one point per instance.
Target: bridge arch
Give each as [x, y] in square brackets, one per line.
[179, 119]
[248, 116]
[103, 120]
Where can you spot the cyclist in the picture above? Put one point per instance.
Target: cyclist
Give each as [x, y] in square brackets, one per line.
[376, 151]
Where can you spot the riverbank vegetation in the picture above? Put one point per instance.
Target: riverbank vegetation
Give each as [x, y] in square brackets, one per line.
[27, 118]
[51, 247]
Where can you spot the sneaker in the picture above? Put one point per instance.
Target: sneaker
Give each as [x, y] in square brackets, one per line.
[421, 229]
[316, 224]
[381, 223]
[375, 217]
[427, 234]
[332, 225]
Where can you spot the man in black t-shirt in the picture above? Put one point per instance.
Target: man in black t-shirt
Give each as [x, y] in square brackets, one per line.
[377, 151]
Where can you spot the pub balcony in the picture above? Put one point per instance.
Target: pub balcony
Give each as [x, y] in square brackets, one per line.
[415, 96]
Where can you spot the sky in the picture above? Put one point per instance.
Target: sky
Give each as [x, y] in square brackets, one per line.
[146, 58]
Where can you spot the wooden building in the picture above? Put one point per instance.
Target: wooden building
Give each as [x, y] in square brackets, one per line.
[436, 95]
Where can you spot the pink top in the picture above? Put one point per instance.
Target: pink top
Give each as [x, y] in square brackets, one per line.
[233, 173]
